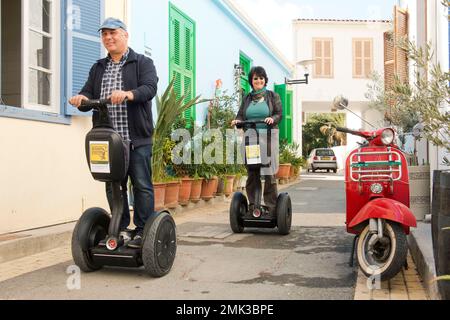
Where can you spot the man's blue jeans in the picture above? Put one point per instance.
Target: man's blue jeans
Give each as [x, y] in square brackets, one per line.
[140, 172]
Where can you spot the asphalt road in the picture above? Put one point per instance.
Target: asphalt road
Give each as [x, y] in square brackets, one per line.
[214, 264]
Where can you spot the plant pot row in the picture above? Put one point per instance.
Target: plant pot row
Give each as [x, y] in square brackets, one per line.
[171, 194]
[186, 190]
[287, 171]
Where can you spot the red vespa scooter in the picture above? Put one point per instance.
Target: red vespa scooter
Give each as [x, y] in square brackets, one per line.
[377, 201]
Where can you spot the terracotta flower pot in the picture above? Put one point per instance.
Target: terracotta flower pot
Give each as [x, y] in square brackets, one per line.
[196, 190]
[284, 171]
[171, 196]
[160, 193]
[292, 172]
[216, 185]
[208, 189]
[220, 187]
[185, 191]
[229, 181]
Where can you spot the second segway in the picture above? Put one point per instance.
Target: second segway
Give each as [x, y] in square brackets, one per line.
[259, 216]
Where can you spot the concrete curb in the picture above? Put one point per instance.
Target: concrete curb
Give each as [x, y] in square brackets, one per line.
[421, 248]
[35, 241]
[27, 243]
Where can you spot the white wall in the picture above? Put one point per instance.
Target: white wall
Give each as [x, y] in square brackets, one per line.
[342, 34]
[317, 96]
[433, 29]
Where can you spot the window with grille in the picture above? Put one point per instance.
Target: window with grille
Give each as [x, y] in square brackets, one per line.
[29, 54]
[323, 55]
[362, 58]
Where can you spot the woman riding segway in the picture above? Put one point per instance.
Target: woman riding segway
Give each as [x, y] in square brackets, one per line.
[261, 111]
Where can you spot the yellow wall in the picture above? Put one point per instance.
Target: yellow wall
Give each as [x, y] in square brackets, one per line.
[45, 178]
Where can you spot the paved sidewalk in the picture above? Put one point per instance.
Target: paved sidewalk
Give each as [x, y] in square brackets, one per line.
[407, 285]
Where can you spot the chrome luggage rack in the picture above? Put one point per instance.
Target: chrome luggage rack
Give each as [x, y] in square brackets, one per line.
[387, 169]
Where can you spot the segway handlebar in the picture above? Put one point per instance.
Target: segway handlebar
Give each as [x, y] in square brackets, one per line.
[249, 124]
[88, 105]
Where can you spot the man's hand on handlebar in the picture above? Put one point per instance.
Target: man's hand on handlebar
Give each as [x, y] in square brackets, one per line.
[76, 100]
[118, 97]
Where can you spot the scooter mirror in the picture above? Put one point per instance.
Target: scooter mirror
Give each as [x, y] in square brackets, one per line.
[340, 103]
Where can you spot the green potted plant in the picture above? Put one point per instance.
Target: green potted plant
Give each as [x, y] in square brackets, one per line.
[285, 161]
[169, 108]
[209, 185]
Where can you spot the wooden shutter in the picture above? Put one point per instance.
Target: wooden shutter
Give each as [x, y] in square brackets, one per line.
[83, 45]
[400, 55]
[395, 58]
[323, 55]
[182, 56]
[362, 58]
[389, 63]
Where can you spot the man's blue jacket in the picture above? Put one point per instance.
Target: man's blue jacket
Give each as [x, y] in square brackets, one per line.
[139, 76]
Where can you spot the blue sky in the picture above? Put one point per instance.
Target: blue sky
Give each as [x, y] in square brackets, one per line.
[274, 17]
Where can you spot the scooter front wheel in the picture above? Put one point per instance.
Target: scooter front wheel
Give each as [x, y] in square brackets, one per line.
[384, 257]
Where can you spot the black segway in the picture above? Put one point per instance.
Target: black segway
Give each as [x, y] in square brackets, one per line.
[259, 217]
[108, 158]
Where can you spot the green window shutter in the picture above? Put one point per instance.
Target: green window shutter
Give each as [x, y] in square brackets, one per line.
[182, 56]
[246, 65]
[283, 126]
[288, 116]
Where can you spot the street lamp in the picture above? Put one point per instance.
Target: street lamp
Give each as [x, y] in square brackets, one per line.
[304, 64]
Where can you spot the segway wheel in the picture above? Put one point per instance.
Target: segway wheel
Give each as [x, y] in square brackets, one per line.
[238, 209]
[284, 214]
[90, 229]
[159, 245]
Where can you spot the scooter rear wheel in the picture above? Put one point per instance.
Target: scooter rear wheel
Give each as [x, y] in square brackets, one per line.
[238, 209]
[284, 214]
[90, 229]
[159, 245]
[387, 260]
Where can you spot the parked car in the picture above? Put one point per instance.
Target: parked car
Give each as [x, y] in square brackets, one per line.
[322, 159]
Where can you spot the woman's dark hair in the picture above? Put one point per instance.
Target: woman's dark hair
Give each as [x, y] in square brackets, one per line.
[259, 72]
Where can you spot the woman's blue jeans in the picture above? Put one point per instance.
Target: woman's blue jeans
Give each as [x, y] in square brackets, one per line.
[140, 173]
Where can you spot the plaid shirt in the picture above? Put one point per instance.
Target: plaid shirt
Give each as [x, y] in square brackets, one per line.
[112, 80]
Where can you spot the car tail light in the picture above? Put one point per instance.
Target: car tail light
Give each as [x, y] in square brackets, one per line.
[316, 158]
[334, 158]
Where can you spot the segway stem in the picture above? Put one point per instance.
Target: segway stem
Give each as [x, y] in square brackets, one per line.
[117, 210]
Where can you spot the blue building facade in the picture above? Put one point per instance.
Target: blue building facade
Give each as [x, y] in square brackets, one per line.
[199, 42]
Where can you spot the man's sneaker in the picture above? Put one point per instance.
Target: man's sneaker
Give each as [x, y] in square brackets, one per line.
[136, 243]
[125, 235]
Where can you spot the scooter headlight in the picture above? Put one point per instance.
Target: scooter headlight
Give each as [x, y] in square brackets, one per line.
[376, 188]
[387, 137]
